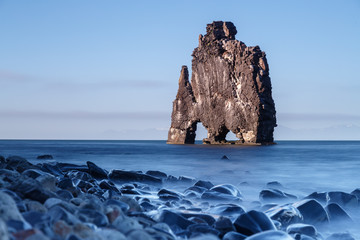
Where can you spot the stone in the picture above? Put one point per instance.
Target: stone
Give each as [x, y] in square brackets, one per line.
[321, 197]
[128, 176]
[208, 219]
[227, 189]
[300, 228]
[122, 205]
[227, 209]
[204, 184]
[139, 235]
[110, 234]
[18, 163]
[253, 222]
[93, 216]
[29, 188]
[35, 218]
[223, 225]
[356, 193]
[126, 224]
[174, 220]
[157, 174]
[165, 194]
[274, 184]
[4, 234]
[285, 214]
[96, 171]
[45, 157]
[271, 195]
[340, 236]
[345, 200]
[201, 229]
[35, 206]
[337, 213]
[230, 90]
[271, 235]
[312, 212]
[8, 208]
[234, 236]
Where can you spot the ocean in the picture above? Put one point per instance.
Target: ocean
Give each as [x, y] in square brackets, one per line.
[302, 166]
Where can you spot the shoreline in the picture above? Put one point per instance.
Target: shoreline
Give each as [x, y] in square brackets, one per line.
[54, 200]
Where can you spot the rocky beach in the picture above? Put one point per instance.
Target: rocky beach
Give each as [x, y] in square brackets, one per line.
[54, 200]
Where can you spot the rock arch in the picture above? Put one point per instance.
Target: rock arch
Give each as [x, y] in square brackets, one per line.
[230, 90]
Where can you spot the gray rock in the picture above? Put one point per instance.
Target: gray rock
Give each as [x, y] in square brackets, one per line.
[312, 212]
[45, 157]
[227, 209]
[96, 171]
[227, 189]
[234, 236]
[224, 225]
[300, 228]
[271, 235]
[271, 195]
[345, 200]
[110, 234]
[127, 176]
[340, 236]
[139, 235]
[204, 184]
[4, 235]
[253, 222]
[336, 213]
[174, 220]
[285, 214]
[230, 90]
[92, 216]
[35, 206]
[8, 209]
[18, 163]
[126, 224]
[157, 174]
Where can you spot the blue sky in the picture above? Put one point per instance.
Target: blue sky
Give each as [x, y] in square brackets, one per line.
[109, 69]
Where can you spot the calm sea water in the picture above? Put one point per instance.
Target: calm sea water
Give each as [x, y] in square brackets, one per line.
[303, 166]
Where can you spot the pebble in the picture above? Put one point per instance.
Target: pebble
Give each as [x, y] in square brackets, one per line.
[64, 201]
[253, 222]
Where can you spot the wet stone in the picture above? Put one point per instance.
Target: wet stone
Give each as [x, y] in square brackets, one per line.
[165, 194]
[271, 235]
[174, 219]
[204, 184]
[274, 184]
[234, 236]
[337, 213]
[227, 189]
[227, 209]
[312, 212]
[269, 195]
[92, 216]
[223, 225]
[253, 222]
[320, 197]
[96, 171]
[45, 157]
[345, 200]
[286, 214]
[157, 174]
[127, 176]
[300, 228]
[200, 229]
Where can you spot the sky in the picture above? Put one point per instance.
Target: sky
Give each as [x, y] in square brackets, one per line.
[109, 69]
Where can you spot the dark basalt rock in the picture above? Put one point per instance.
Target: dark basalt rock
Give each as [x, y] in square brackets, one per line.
[230, 90]
[45, 157]
[302, 229]
[286, 214]
[234, 236]
[271, 235]
[127, 176]
[312, 212]
[96, 171]
[253, 222]
[336, 213]
[275, 195]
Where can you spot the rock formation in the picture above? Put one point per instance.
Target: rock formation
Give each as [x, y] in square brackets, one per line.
[230, 90]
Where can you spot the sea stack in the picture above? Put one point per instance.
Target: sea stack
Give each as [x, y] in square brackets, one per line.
[230, 90]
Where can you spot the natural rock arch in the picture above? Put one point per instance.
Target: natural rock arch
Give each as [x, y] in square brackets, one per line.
[230, 90]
